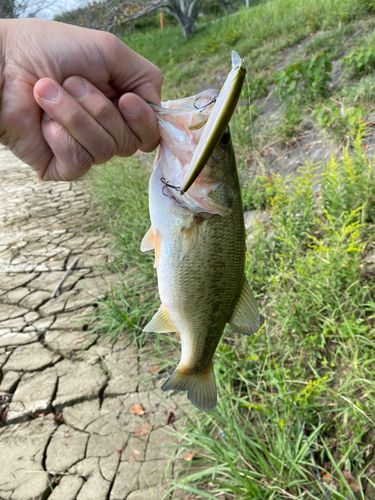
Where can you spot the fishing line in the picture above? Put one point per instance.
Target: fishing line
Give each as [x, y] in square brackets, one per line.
[298, 417]
[251, 119]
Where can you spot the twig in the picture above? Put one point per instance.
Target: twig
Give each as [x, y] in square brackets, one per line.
[64, 277]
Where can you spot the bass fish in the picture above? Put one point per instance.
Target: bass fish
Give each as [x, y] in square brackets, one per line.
[198, 235]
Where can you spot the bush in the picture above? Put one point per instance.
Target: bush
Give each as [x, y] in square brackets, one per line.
[360, 61]
[312, 75]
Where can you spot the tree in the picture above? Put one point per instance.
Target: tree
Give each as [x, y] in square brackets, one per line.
[110, 14]
[10, 9]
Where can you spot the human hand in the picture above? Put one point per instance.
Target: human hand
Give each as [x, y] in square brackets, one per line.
[73, 97]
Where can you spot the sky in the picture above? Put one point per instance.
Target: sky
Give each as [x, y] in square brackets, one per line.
[51, 8]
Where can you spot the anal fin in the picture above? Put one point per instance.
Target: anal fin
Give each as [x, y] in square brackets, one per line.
[160, 322]
[245, 318]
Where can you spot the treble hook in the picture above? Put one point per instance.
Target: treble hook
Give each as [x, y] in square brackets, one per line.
[213, 100]
[166, 184]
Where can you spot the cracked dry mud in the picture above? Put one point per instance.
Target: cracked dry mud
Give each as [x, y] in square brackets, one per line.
[68, 431]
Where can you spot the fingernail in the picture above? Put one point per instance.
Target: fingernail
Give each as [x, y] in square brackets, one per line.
[48, 91]
[76, 87]
[133, 106]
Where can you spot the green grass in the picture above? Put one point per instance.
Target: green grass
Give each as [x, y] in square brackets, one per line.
[306, 265]
[121, 192]
[257, 34]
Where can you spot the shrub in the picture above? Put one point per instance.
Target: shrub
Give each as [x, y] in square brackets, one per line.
[312, 75]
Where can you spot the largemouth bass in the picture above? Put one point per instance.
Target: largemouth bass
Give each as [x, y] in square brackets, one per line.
[198, 235]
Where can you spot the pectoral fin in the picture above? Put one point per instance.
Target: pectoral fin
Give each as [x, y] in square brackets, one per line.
[160, 322]
[245, 317]
[152, 241]
[190, 235]
[148, 242]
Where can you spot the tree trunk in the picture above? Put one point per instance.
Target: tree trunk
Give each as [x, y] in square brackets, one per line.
[183, 13]
[187, 25]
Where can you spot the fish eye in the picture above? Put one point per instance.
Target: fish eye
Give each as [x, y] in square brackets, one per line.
[225, 138]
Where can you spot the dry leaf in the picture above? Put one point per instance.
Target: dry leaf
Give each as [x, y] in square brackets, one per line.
[143, 430]
[189, 457]
[131, 459]
[353, 484]
[326, 478]
[138, 410]
[154, 369]
[137, 452]
[82, 339]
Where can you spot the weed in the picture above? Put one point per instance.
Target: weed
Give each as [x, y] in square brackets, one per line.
[294, 111]
[122, 194]
[307, 266]
[341, 122]
[313, 76]
[255, 194]
[360, 61]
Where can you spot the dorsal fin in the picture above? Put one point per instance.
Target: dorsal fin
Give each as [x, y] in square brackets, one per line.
[160, 322]
[245, 318]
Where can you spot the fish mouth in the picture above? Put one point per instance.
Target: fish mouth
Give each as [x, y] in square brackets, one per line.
[217, 122]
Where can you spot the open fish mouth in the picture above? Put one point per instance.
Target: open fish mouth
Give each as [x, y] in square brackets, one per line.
[218, 121]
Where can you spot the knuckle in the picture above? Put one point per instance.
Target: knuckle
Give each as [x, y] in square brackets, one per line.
[79, 157]
[73, 153]
[102, 111]
[129, 146]
[105, 151]
[157, 76]
[75, 119]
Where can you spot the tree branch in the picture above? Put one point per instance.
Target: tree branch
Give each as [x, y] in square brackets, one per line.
[191, 8]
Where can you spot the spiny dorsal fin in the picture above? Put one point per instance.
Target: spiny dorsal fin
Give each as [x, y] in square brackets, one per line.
[160, 322]
[148, 242]
[190, 235]
[245, 317]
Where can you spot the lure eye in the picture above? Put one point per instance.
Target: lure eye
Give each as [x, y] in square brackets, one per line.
[225, 138]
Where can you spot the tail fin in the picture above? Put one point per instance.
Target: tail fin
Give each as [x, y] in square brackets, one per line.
[201, 387]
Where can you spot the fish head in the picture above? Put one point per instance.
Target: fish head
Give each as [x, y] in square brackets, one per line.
[181, 124]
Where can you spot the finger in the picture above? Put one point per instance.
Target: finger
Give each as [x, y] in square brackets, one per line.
[106, 114]
[69, 160]
[129, 71]
[141, 120]
[79, 123]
